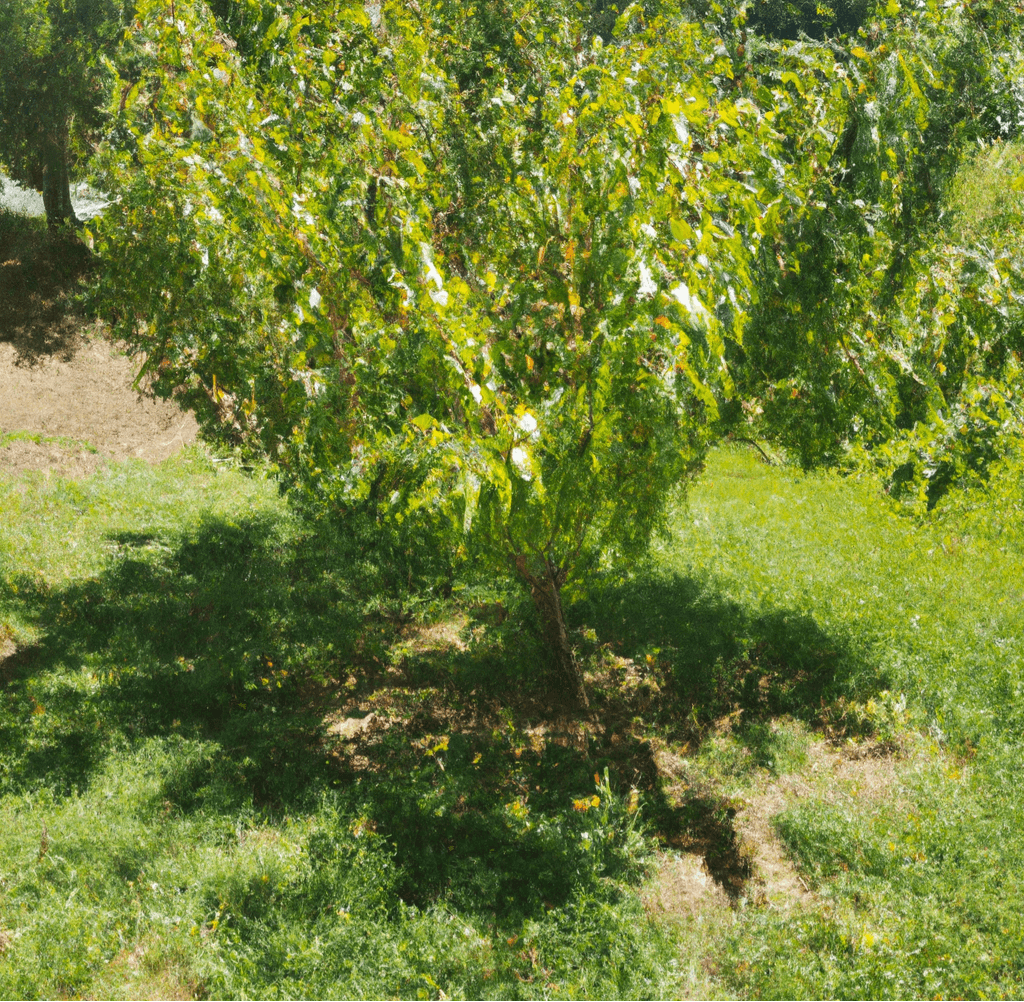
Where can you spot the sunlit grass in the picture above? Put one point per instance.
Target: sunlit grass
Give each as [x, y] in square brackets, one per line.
[908, 608]
[919, 893]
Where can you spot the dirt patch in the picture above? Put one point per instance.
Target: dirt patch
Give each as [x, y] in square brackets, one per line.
[774, 879]
[733, 841]
[683, 887]
[80, 410]
[67, 402]
[865, 770]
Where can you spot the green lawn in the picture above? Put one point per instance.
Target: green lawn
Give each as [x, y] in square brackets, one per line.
[178, 820]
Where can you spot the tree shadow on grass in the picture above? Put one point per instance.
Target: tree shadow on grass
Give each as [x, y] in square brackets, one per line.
[670, 657]
[222, 636]
[248, 655]
[710, 656]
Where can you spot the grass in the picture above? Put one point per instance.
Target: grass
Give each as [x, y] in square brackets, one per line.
[62, 440]
[229, 769]
[918, 892]
[178, 821]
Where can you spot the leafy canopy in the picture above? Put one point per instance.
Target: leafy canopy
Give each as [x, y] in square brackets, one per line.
[514, 272]
[285, 229]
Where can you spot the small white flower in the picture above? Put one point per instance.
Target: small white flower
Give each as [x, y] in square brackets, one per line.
[528, 423]
[314, 298]
[440, 296]
[475, 390]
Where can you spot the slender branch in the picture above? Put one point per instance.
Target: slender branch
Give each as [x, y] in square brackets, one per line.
[749, 441]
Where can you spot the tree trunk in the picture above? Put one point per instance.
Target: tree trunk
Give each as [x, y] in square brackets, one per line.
[57, 189]
[547, 598]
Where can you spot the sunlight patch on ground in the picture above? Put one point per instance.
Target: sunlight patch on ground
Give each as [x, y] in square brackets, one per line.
[14, 197]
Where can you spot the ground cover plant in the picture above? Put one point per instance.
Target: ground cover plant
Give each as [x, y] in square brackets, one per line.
[226, 773]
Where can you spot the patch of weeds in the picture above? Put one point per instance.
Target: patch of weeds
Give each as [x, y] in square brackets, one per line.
[62, 440]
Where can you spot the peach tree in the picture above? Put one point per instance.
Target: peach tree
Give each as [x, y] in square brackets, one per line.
[505, 282]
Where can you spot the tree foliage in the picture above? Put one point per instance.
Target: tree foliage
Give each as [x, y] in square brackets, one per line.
[879, 320]
[51, 93]
[481, 261]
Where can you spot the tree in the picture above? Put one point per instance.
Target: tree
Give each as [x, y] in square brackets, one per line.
[51, 93]
[505, 267]
[877, 321]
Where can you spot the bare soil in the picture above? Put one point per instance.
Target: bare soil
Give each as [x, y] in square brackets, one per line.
[67, 400]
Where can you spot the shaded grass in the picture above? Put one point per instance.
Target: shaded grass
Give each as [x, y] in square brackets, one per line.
[176, 811]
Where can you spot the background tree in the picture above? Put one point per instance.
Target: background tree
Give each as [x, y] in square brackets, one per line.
[51, 90]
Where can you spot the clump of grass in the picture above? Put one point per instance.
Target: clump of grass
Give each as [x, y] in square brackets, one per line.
[747, 752]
